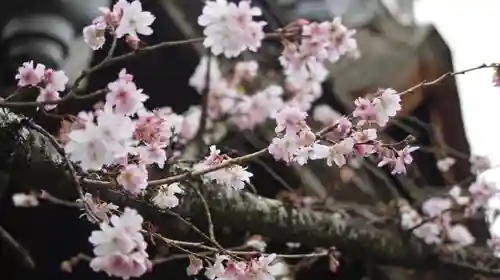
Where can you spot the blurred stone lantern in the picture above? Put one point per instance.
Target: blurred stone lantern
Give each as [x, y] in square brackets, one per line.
[42, 31]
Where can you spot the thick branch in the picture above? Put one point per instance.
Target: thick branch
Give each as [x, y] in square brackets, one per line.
[31, 160]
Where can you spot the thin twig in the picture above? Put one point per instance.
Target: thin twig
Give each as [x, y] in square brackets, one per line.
[111, 50]
[448, 75]
[103, 64]
[211, 231]
[9, 239]
[204, 101]
[69, 165]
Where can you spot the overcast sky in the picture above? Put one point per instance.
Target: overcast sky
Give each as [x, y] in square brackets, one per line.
[471, 30]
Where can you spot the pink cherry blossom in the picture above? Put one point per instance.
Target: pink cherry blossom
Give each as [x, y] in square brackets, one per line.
[246, 70]
[134, 21]
[94, 35]
[429, 232]
[460, 236]
[455, 193]
[365, 141]
[55, 80]
[166, 196]
[134, 178]
[28, 75]
[319, 42]
[229, 28]
[398, 160]
[290, 120]
[234, 176]
[102, 210]
[325, 114]
[195, 266]
[284, 148]
[120, 247]
[124, 266]
[86, 147]
[338, 152]
[125, 97]
[198, 79]
[435, 206]
[48, 94]
[153, 153]
[445, 164]
[365, 109]
[388, 101]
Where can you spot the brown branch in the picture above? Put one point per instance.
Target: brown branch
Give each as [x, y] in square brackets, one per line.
[21, 252]
[29, 157]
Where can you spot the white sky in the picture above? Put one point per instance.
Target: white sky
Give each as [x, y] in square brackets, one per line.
[471, 30]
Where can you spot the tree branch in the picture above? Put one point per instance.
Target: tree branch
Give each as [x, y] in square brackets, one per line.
[31, 159]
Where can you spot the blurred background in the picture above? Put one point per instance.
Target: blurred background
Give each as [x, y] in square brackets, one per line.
[469, 30]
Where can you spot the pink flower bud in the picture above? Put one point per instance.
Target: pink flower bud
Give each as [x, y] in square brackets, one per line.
[133, 42]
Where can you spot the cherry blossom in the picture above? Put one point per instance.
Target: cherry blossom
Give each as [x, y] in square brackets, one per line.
[338, 152]
[48, 94]
[55, 80]
[290, 119]
[379, 109]
[460, 236]
[166, 196]
[198, 79]
[119, 248]
[230, 28]
[25, 200]
[455, 193]
[284, 148]
[479, 164]
[134, 178]
[234, 176]
[86, 147]
[195, 266]
[256, 268]
[112, 17]
[398, 160]
[445, 164]
[246, 70]
[152, 153]
[256, 242]
[387, 101]
[251, 111]
[325, 114]
[435, 206]
[125, 97]
[429, 232]
[94, 36]
[134, 21]
[102, 210]
[30, 75]
[320, 42]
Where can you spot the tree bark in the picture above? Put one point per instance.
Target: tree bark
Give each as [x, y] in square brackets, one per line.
[31, 162]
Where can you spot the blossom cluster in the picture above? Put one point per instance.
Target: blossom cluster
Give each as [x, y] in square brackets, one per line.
[303, 58]
[225, 267]
[120, 137]
[50, 82]
[119, 246]
[234, 176]
[344, 139]
[124, 19]
[230, 28]
[437, 226]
